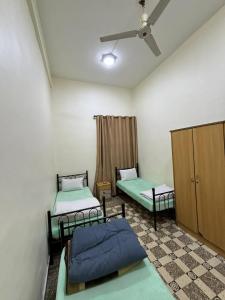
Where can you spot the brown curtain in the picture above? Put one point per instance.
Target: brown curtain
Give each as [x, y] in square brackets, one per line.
[116, 146]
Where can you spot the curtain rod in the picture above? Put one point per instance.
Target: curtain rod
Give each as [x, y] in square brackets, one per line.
[95, 116]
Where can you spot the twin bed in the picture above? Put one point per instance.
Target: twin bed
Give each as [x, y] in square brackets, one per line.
[73, 205]
[110, 239]
[154, 199]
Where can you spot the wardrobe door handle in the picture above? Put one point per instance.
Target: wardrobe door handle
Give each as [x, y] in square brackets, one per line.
[192, 180]
[197, 180]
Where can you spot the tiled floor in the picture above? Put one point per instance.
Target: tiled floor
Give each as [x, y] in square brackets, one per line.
[189, 268]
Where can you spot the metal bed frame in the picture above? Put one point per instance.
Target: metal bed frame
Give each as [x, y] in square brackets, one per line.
[60, 177]
[74, 217]
[66, 229]
[162, 197]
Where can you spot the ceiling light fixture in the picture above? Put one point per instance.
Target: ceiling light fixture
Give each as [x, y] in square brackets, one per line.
[109, 59]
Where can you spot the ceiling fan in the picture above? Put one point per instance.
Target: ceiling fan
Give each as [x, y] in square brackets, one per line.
[145, 31]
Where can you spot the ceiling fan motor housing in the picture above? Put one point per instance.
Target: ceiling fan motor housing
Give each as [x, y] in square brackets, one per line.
[143, 32]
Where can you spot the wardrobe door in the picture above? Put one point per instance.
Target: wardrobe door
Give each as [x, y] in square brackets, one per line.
[183, 169]
[210, 182]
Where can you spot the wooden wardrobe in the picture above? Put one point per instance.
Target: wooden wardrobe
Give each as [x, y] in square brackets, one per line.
[199, 179]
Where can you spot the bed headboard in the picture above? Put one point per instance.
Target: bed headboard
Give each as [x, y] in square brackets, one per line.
[117, 171]
[59, 179]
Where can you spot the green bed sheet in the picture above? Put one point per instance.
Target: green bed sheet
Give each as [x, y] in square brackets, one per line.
[142, 282]
[134, 187]
[73, 195]
[69, 196]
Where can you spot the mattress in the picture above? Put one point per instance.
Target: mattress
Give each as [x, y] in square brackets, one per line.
[69, 196]
[141, 282]
[134, 187]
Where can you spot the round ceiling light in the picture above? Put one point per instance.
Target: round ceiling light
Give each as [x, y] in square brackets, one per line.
[109, 59]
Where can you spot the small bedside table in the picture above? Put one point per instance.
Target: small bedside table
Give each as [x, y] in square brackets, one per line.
[103, 190]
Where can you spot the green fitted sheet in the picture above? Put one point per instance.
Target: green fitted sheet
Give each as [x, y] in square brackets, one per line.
[134, 187]
[73, 195]
[69, 196]
[142, 282]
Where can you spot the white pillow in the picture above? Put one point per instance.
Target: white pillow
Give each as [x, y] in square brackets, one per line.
[72, 184]
[128, 174]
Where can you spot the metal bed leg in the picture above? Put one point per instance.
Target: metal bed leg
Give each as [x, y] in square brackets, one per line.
[51, 261]
[50, 237]
[137, 169]
[154, 209]
[123, 210]
[87, 177]
[62, 234]
[116, 181]
[57, 182]
[104, 209]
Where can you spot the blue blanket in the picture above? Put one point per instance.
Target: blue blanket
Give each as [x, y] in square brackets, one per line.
[103, 249]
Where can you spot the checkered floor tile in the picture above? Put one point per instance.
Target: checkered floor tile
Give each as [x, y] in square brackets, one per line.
[190, 269]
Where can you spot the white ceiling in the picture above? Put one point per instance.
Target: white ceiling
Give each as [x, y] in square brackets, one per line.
[72, 29]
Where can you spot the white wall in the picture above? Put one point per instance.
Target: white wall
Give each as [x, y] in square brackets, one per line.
[74, 104]
[187, 89]
[26, 181]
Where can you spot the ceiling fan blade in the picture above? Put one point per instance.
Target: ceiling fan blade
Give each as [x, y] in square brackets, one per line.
[157, 11]
[119, 36]
[150, 41]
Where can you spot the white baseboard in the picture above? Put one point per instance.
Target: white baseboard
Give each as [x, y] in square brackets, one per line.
[45, 281]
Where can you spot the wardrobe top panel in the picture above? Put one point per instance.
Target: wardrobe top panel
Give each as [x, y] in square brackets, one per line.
[190, 127]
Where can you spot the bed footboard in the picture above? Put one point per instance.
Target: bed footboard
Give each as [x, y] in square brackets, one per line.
[73, 218]
[165, 200]
[66, 230]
